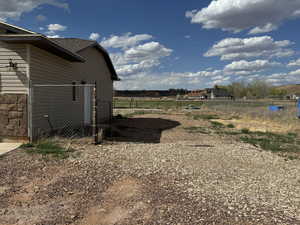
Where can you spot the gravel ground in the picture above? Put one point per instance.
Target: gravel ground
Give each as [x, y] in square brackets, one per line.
[156, 173]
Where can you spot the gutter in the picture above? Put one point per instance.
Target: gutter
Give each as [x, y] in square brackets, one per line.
[43, 42]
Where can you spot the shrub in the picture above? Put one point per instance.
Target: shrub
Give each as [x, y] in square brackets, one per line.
[201, 130]
[245, 131]
[230, 125]
[231, 132]
[217, 124]
[206, 117]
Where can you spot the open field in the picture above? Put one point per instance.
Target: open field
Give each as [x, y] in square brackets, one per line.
[152, 103]
[156, 167]
[252, 114]
[163, 103]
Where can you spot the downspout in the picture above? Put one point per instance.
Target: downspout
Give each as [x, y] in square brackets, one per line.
[29, 93]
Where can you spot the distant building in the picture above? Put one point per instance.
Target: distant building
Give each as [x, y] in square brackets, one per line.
[295, 96]
[198, 94]
[210, 93]
[217, 92]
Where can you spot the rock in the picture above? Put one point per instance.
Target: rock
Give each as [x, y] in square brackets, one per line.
[15, 115]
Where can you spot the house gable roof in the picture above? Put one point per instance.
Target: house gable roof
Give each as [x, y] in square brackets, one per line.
[76, 45]
[42, 42]
[73, 44]
[6, 28]
[66, 48]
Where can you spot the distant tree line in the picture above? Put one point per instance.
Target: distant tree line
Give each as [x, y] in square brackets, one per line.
[255, 89]
[150, 93]
[252, 90]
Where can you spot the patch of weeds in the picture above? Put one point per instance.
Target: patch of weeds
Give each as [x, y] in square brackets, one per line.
[206, 117]
[292, 134]
[227, 132]
[230, 125]
[280, 137]
[201, 130]
[264, 143]
[27, 145]
[49, 148]
[291, 157]
[292, 148]
[245, 131]
[217, 125]
[231, 132]
[272, 141]
[1, 157]
[258, 133]
[136, 113]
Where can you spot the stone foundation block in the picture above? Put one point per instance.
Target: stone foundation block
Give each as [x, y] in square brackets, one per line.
[13, 115]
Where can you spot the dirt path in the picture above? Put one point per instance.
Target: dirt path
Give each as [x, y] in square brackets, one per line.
[156, 173]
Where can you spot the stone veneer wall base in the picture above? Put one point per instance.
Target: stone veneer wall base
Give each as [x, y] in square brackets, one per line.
[13, 116]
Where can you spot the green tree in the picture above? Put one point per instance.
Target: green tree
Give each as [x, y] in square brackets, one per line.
[254, 89]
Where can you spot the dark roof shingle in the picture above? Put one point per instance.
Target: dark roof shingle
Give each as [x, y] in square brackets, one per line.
[75, 45]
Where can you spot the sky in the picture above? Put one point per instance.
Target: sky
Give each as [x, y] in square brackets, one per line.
[167, 44]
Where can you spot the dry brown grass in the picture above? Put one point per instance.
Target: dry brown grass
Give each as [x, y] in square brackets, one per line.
[258, 118]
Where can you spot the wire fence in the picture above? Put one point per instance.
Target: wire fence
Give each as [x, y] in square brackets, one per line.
[69, 111]
[144, 103]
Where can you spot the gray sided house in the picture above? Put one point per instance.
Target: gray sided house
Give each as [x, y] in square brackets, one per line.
[211, 93]
[216, 92]
[43, 78]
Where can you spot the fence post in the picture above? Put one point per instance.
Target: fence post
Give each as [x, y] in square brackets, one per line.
[29, 111]
[95, 123]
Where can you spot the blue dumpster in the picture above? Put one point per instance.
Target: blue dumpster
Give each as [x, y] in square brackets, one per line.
[276, 108]
[298, 108]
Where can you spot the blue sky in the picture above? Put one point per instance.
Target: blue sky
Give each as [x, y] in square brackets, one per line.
[177, 44]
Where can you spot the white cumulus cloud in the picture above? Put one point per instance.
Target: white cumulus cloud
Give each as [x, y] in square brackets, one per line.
[254, 47]
[292, 77]
[167, 80]
[135, 54]
[125, 41]
[294, 63]
[245, 67]
[94, 36]
[54, 36]
[13, 9]
[238, 15]
[53, 29]
[56, 27]
[264, 29]
[140, 58]
[295, 73]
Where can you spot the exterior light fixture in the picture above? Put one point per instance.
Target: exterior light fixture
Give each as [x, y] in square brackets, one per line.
[13, 65]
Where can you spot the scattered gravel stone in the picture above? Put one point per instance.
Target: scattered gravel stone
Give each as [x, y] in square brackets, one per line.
[173, 177]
